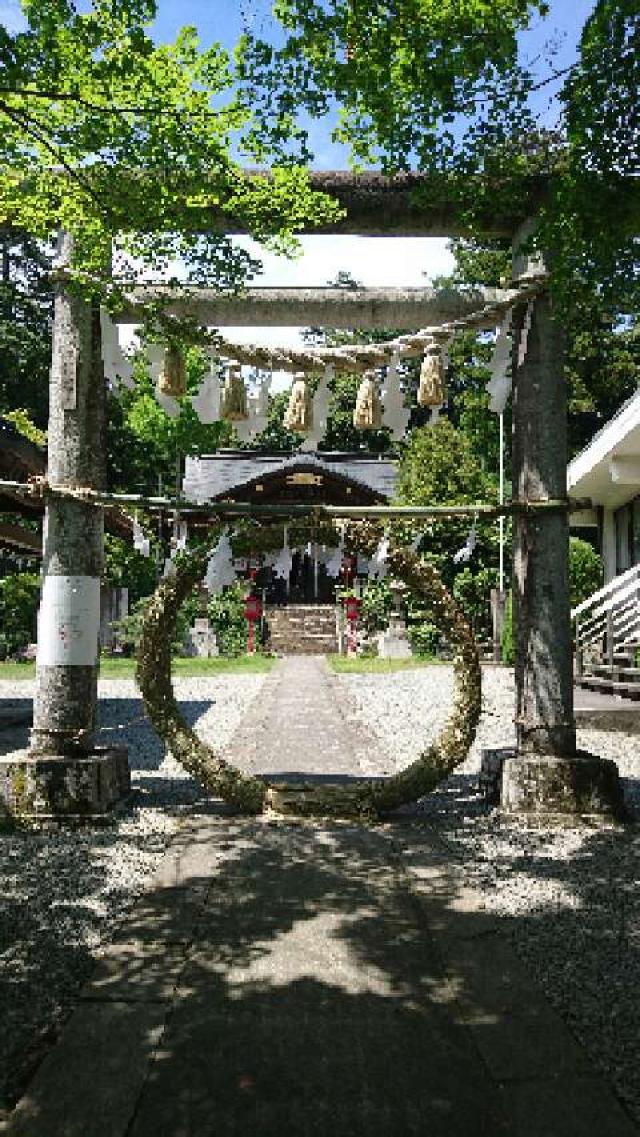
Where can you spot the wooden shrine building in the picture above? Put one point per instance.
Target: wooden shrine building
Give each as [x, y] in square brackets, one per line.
[329, 478]
[278, 477]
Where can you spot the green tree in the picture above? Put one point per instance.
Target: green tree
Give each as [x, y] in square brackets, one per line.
[19, 594]
[585, 571]
[439, 467]
[398, 73]
[26, 309]
[126, 144]
[441, 88]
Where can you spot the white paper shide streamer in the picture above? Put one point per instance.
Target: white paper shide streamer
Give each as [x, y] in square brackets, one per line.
[140, 543]
[395, 415]
[117, 368]
[321, 401]
[334, 562]
[257, 412]
[378, 564]
[220, 571]
[206, 403]
[499, 385]
[283, 562]
[463, 556]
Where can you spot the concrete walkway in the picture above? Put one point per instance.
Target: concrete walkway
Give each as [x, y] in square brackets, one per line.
[312, 980]
[301, 726]
[319, 981]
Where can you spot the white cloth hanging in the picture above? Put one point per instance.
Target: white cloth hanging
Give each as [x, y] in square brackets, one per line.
[524, 334]
[182, 537]
[499, 385]
[395, 415]
[206, 403]
[141, 543]
[170, 406]
[465, 553]
[378, 564]
[334, 562]
[283, 562]
[220, 571]
[138, 535]
[321, 401]
[117, 368]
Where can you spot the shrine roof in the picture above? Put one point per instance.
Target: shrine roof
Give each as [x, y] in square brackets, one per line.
[213, 476]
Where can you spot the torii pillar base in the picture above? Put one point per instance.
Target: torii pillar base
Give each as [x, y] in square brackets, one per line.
[548, 787]
[83, 788]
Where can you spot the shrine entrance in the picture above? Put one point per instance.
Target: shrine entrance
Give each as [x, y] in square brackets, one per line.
[63, 773]
[314, 568]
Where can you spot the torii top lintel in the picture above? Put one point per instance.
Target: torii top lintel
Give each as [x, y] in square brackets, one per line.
[411, 205]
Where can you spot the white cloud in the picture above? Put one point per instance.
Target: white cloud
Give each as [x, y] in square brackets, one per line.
[391, 262]
[372, 261]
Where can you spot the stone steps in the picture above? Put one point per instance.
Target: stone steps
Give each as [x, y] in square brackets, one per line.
[302, 629]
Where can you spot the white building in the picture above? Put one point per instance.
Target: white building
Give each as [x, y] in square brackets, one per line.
[607, 472]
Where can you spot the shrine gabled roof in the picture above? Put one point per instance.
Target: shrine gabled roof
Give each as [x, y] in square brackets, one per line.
[214, 476]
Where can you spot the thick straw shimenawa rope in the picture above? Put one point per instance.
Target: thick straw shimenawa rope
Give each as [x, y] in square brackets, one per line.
[362, 357]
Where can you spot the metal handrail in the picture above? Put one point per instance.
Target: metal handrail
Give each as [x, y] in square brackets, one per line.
[611, 617]
[606, 590]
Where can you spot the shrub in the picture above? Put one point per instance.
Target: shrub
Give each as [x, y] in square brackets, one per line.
[585, 571]
[424, 637]
[376, 605]
[226, 614]
[129, 628]
[19, 596]
[472, 590]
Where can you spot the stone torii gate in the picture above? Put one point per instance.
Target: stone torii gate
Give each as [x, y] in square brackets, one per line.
[63, 774]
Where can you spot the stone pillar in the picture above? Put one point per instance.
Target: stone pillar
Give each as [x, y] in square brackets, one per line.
[63, 773]
[546, 775]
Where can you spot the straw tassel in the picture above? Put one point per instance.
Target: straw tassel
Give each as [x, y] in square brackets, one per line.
[299, 414]
[431, 392]
[233, 404]
[173, 377]
[367, 414]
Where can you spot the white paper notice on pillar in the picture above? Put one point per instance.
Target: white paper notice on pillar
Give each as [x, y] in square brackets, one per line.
[69, 621]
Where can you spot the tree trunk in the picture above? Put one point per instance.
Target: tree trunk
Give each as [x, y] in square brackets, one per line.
[544, 680]
[66, 675]
[545, 776]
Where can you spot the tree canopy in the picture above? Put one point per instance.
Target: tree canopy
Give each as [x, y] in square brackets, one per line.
[440, 87]
[116, 139]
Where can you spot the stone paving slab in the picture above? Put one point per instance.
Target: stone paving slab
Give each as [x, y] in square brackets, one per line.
[88, 1085]
[335, 980]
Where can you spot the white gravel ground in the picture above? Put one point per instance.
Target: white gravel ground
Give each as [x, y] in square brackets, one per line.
[63, 892]
[570, 896]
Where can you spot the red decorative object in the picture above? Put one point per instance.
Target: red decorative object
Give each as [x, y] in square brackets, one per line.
[253, 608]
[353, 609]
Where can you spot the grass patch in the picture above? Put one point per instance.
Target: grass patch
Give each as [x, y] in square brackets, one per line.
[116, 668]
[11, 670]
[365, 665]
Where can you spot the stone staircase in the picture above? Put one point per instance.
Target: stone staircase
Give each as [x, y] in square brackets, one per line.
[621, 677]
[302, 629]
[607, 635]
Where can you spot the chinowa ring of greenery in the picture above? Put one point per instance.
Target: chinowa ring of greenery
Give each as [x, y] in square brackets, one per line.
[250, 794]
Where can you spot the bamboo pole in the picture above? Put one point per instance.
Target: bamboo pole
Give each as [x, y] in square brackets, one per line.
[293, 509]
